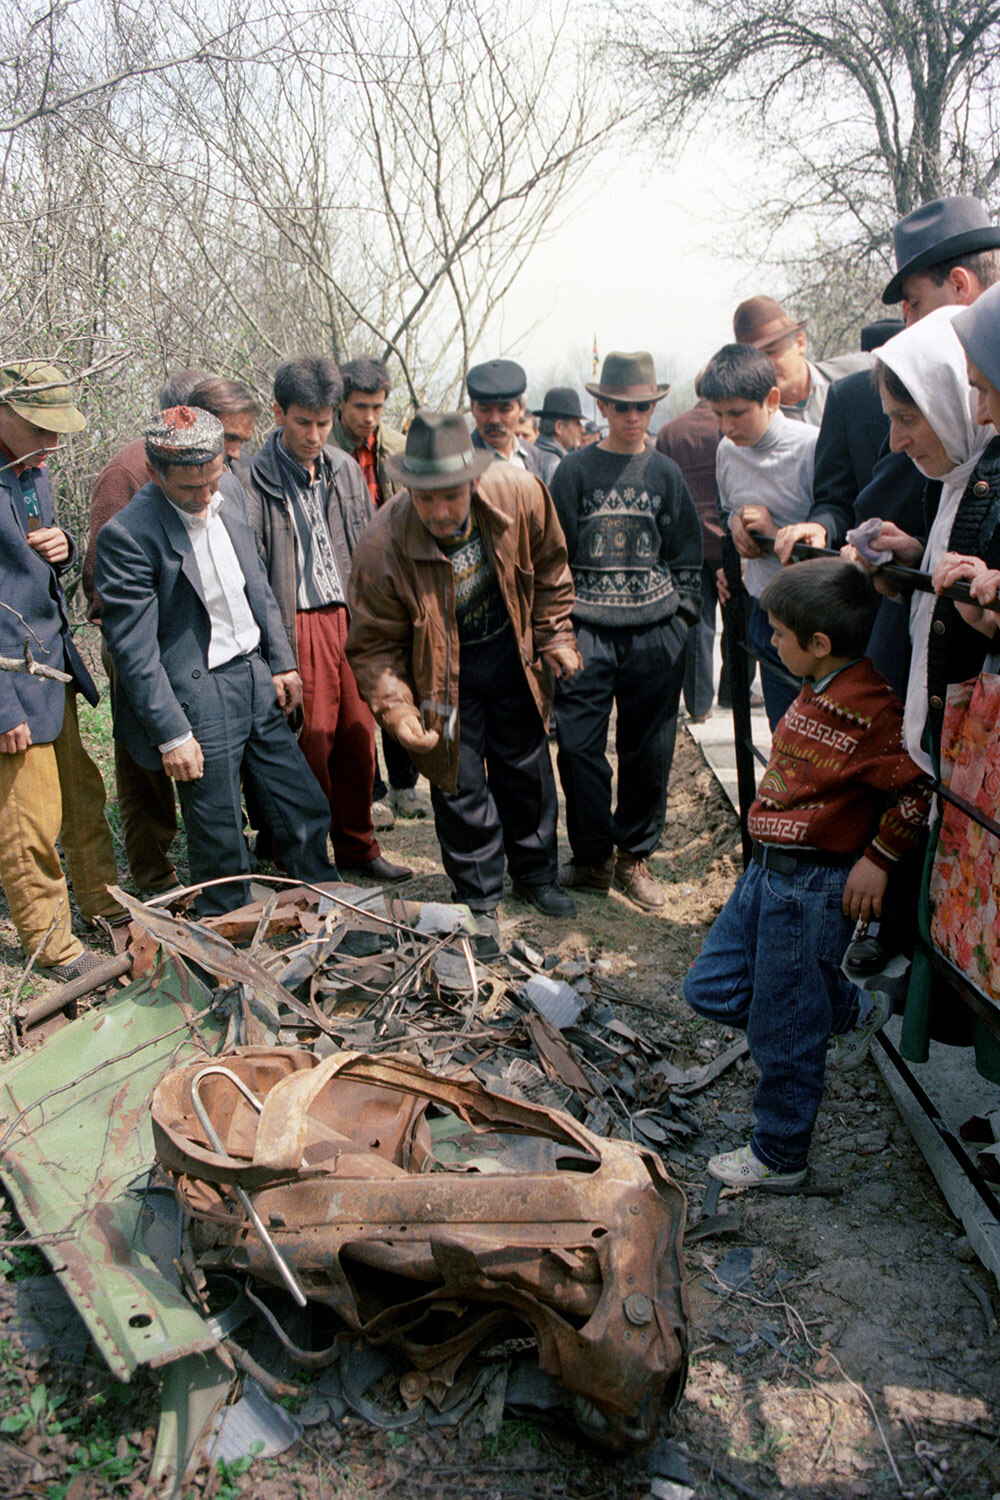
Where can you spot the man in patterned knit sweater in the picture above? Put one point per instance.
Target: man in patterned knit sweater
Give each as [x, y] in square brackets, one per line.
[634, 543]
[824, 844]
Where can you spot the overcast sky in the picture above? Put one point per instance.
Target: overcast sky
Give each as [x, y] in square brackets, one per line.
[645, 257]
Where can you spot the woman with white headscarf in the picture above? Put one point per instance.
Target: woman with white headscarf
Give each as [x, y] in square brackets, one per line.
[922, 380]
[924, 385]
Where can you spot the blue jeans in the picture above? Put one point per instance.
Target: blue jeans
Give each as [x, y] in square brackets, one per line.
[771, 967]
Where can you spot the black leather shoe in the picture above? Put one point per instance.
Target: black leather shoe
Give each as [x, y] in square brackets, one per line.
[552, 900]
[380, 869]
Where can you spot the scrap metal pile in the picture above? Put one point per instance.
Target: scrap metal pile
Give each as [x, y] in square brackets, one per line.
[429, 1144]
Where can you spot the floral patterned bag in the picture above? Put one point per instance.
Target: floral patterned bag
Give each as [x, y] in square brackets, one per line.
[965, 877]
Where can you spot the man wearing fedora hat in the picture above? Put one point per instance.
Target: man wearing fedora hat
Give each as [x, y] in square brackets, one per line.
[560, 428]
[634, 543]
[763, 323]
[50, 789]
[496, 395]
[460, 602]
[947, 254]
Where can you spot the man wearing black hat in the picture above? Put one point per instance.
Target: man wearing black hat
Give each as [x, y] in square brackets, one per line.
[460, 602]
[203, 666]
[560, 428]
[496, 396]
[947, 253]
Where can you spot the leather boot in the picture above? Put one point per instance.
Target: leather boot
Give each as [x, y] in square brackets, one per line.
[634, 877]
[587, 877]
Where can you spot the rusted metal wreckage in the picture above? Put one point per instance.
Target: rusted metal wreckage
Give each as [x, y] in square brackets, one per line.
[430, 1145]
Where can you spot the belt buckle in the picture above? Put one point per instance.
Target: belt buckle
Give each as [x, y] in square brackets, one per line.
[446, 712]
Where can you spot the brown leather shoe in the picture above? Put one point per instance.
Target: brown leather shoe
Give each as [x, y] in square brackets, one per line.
[379, 868]
[634, 877]
[587, 877]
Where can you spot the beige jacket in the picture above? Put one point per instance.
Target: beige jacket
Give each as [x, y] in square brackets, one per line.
[403, 642]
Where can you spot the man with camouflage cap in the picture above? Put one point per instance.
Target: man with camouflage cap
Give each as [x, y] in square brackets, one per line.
[50, 789]
[203, 666]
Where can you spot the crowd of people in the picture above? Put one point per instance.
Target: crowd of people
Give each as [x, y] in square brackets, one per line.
[473, 589]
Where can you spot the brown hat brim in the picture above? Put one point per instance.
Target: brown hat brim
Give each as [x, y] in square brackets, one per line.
[772, 338]
[50, 418]
[442, 476]
[652, 393]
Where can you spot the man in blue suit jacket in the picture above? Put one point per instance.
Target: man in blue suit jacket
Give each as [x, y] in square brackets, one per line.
[203, 668]
[49, 787]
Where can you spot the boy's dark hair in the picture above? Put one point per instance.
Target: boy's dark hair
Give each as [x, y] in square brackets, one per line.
[884, 377]
[222, 394]
[364, 374]
[311, 381]
[984, 265]
[737, 372]
[824, 594]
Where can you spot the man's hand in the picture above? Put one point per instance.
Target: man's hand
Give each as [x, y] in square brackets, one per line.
[186, 763]
[288, 691]
[721, 586]
[404, 725]
[810, 532]
[864, 890]
[565, 661]
[15, 741]
[51, 542]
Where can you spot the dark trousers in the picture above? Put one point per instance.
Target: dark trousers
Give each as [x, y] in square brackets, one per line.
[235, 718]
[400, 772]
[699, 667]
[146, 808]
[640, 670]
[779, 691]
[506, 800]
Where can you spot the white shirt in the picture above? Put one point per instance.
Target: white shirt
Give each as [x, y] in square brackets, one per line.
[777, 471]
[234, 631]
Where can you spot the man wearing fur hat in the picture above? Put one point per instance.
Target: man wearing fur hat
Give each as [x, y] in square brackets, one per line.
[460, 602]
[634, 544]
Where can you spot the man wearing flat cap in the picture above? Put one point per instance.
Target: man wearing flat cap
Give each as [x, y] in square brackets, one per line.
[460, 602]
[496, 395]
[560, 428]
[634, 544]
[204, 672]
[50, 789]
[763, 324]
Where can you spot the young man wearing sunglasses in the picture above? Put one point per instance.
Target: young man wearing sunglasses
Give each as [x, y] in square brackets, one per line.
[634, 545]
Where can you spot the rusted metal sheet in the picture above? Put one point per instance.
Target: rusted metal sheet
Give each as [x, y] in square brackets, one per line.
[337, 1157]
[75, 1132]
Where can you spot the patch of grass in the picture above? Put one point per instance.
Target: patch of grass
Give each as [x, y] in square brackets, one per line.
[512, 1433]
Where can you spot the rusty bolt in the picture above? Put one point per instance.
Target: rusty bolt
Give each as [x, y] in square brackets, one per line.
[638, 1308]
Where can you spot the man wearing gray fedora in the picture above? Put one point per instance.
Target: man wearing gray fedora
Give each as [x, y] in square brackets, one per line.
[560, 428]
[634, 543]
[460, 602]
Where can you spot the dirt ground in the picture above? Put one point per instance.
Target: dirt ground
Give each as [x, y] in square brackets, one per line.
[840, 1348]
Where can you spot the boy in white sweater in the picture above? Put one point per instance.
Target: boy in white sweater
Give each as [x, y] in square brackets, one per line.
[764, 472]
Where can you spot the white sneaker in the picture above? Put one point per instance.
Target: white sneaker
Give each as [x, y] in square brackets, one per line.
[850, 1048]
[383, 816]
[407, 802]
[741, 1169]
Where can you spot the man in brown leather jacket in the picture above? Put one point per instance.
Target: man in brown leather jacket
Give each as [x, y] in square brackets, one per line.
[460, 599]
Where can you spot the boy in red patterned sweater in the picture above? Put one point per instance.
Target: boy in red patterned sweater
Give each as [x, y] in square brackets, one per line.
[824, 844]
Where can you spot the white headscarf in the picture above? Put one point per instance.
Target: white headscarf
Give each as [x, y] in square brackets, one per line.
[930, 361]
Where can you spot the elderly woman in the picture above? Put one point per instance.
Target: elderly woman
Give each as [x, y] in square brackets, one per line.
[924, 386]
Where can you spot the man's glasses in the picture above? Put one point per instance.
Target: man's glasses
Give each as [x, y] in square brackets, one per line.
[621, 407]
